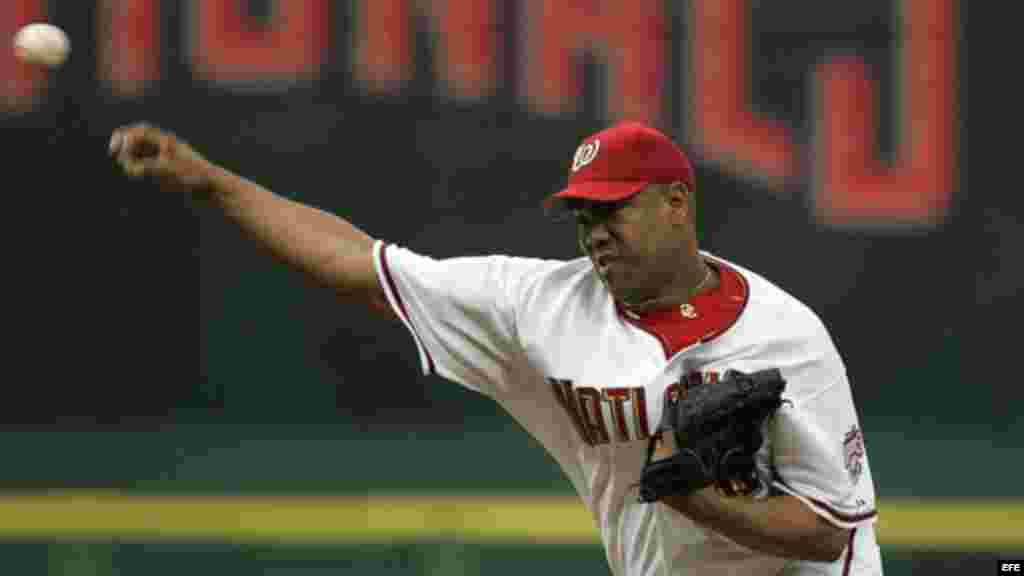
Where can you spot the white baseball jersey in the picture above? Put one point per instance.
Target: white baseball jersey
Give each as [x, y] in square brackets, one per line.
[545, 339]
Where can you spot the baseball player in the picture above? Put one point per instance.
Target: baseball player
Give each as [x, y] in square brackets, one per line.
[585, 354]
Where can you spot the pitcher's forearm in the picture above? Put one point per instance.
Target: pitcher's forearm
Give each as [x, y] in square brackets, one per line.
[317, 243]
[779, 525]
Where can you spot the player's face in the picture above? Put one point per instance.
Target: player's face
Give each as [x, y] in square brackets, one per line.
[634, 244]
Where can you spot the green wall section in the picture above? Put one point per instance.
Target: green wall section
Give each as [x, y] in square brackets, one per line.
[486, 455]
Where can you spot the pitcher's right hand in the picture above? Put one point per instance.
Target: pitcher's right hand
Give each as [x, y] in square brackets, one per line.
[145, 151]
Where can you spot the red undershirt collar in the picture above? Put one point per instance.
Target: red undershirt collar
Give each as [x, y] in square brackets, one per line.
[703, 318]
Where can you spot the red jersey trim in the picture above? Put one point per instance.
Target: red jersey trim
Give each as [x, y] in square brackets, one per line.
[826, 507]
[744, 294]
[848, 518]
[393, 288]
[723, 307]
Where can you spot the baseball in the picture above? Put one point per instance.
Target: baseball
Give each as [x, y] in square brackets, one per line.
[42, 44]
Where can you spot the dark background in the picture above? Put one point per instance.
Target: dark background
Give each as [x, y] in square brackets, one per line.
[160, 306]
[132, 309]
[141, 324]
[129, 308]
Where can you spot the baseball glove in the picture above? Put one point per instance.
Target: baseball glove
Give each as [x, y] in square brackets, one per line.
[717, 429]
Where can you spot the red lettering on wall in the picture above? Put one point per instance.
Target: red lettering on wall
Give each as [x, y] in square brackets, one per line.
[230, 46]
[723, 127]
[467, 42]
[20, 84]
[852, 186]
[383, 44]
[632, 35]
[128, 56]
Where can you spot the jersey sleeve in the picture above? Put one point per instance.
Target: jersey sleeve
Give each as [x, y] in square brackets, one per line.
[811, 458]
[461, 312]
[813, 448]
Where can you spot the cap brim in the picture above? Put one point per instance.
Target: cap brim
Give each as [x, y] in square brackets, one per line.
[601, 191]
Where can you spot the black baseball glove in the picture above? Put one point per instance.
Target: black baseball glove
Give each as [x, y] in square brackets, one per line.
[717, 429]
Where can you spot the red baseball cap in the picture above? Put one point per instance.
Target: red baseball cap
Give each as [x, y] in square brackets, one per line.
[619, 161]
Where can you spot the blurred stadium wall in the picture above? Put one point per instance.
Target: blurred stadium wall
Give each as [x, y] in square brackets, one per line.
[174, 398]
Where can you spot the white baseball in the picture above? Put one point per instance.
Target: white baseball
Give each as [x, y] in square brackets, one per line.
[42, 44]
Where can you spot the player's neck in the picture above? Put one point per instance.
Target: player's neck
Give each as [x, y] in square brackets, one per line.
[690, 282]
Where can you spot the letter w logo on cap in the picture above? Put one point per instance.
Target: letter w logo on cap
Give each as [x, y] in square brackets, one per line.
[585, 154]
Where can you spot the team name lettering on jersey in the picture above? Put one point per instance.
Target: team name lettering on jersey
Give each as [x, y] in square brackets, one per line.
[606, 415]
